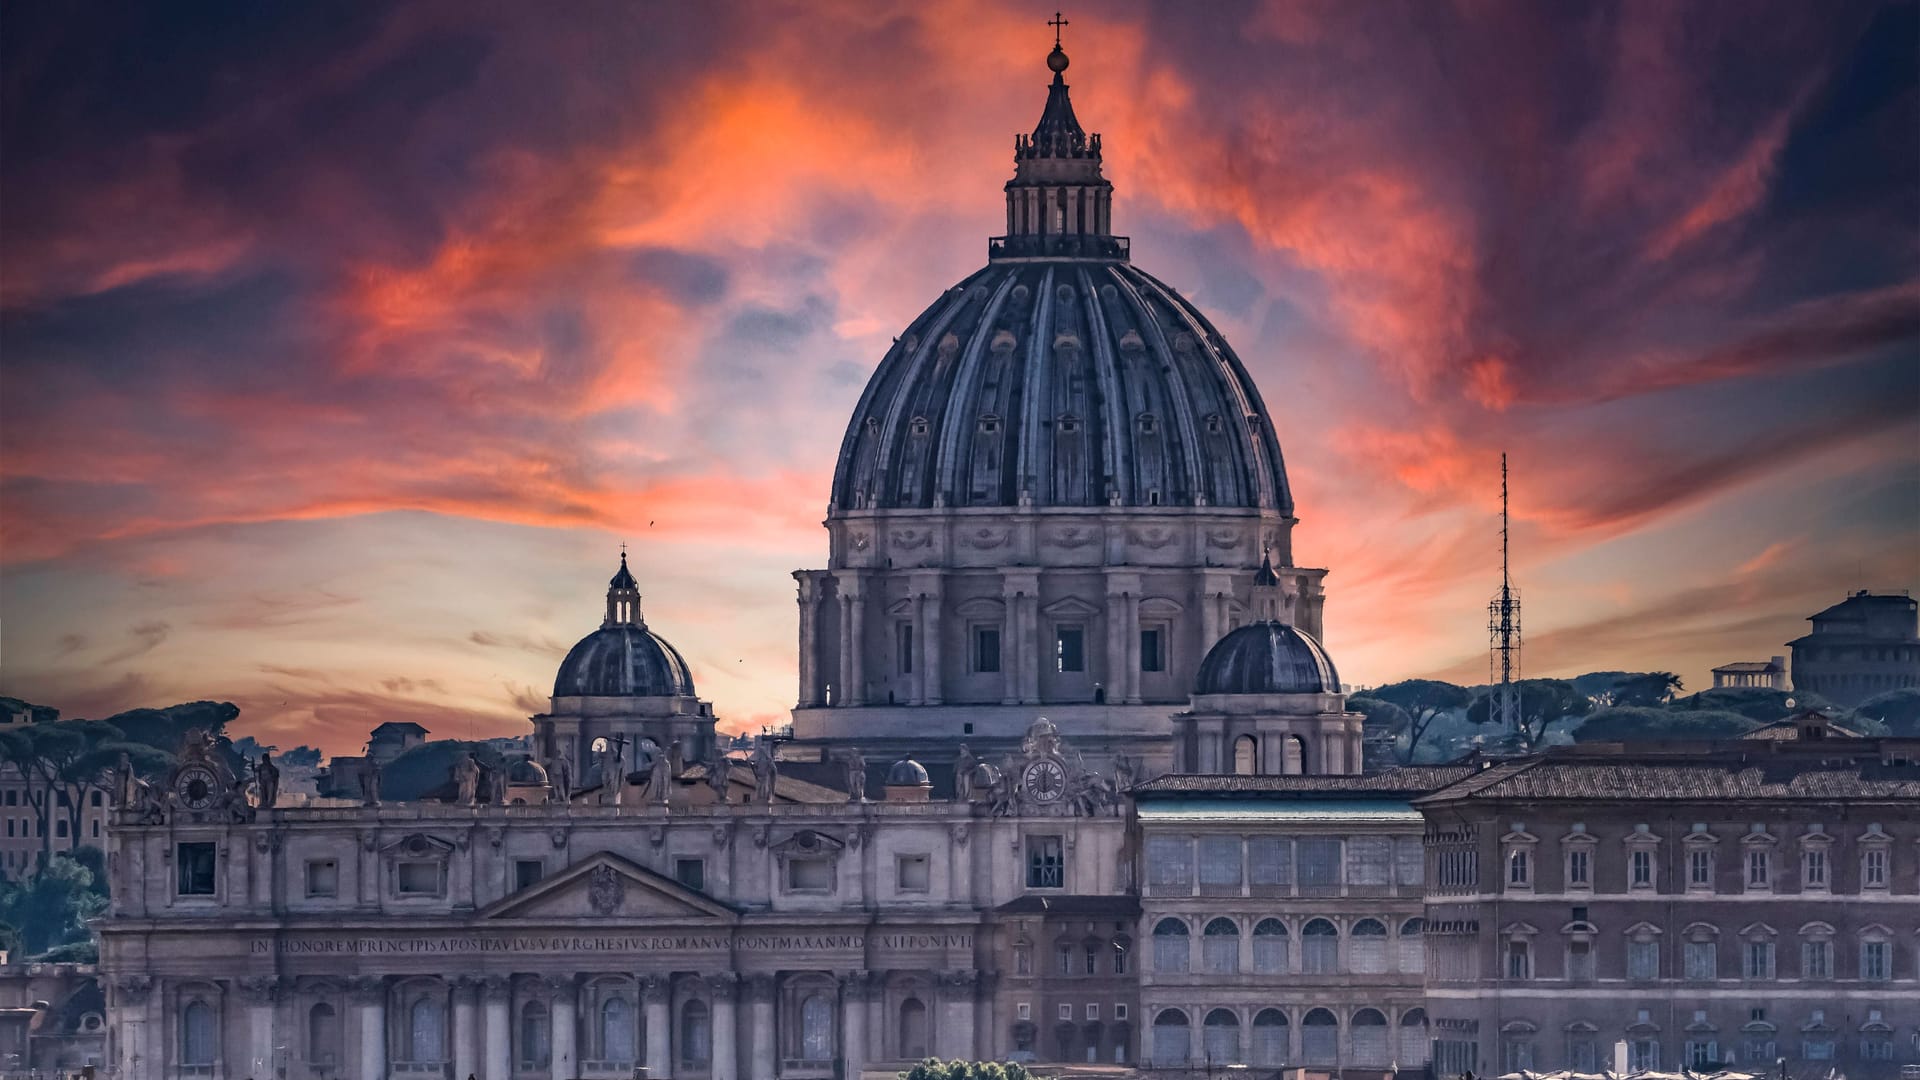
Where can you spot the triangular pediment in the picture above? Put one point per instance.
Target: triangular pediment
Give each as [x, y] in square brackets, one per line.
[606, 886]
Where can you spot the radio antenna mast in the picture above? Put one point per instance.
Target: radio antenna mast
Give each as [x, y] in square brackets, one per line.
[1503, 631]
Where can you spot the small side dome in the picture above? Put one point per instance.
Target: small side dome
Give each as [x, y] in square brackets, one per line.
[985, 778]
[1267, 658]
[526, 771]
[623, 661]
[908, 773]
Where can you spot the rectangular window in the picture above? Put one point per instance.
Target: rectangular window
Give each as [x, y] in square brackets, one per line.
[1046, 868]
[1119, 1012]
[1369, 861]
[1582, 1055]
[1700, 869]
[691, 872]
[1643, 1055]
[1319, 863]
[1703, 1055]
[1580, 869]
[1817, 1049]
[417, 878]
[9, 826]
[903, 647]
[1220, 862]
[1875, 957]
[1170, 862]
[1876, 1048]
[1640, 867]
[60, 827]
[95, 800]
[196, 864]
[1410, 861]
[986, 649]
[809, 875]
[913, 873]
[1580, 961]
[1023, 1010]
[13, 798]
[1813, 869]
[1070, 648]
[323, 878]
[1516, 1055]
[1759, 960]
[1065, 1011]
[1269, 861]
[1519, 960]
[1816, 959]
[1153, 656]
[1643, 959]
[1519, 869]
[527, 873]
[1759, 869]
[1093, 1011]
[1702, 961]
[1873, 869]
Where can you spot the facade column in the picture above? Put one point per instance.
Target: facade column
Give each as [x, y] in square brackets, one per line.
[1116, 680]
[370, 1001]
[1133, 648]
[497, 993]
[1013, 652]
[930, 636]
[917, 676]
[566, 1027]
[258, 995]
[134, 998]
[853, 1021]
[809, 641]
[764, 1066]
[654, 991]
[466, 1033]
[721, 990]
[853, 625]
[955, 1036]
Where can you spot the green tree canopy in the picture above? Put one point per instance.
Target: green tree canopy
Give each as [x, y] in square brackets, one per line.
[1754, 702]
[1646, 688]
[51, 908]
[1631, 723]
[1542, 702]
[1898, 710]
[1421, 701]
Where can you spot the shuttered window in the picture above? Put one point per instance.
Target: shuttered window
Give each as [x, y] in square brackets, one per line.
[1410, 861]
[1319, 862]
[1170, 861]
[1270, 861]
[1369, 861]
[1220, 862]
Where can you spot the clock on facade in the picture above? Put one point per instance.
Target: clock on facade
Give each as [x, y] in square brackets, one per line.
[195, 788]
[1045, 780]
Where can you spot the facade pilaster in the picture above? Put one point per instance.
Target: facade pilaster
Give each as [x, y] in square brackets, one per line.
[809, 602]
[930, 588]
[258, 996]
[466, 1029]
[496, 993]
[760, 999]
[955, 1036]
[722, 990]
[566, 1027]
[853, 1020]
[370, 1004]
[134, 998]
[654, 992]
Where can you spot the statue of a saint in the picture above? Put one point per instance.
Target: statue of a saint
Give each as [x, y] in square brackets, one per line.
[466, 775]
[963, 774]
[266, 778]
[370, 784]
[560, 777]
[719, 774]
[766, 772]
[856, 776]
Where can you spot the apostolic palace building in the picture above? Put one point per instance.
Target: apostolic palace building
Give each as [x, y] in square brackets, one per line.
[1071, 779]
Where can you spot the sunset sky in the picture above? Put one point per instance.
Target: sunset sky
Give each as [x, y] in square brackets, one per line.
[342, 345]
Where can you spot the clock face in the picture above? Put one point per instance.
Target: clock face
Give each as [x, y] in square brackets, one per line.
[1045, 780]
[195, 787]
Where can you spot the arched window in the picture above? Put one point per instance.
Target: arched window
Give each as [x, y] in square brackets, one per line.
[1293, 755]
[1270, 948]
[1220, 947]
[1367, 947]
[913, 1029]
[1319, 948]
[1172, 1039]
[1414, 1048]
[1320, 1038]
[1221, 1029]
[536, 1042]
[1413, 946]
[323, 1035]
[617, 1042]
[426, 1030]
[696, 1035]
[1170, 952]
[1370, 1045]
[198, 1040]
[1246, 756]
[816, 1028]
[1270, 1037]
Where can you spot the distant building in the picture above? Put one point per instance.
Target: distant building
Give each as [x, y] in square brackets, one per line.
[1770, 674]
[21, 840]
[52, 1018]
[1867, 644]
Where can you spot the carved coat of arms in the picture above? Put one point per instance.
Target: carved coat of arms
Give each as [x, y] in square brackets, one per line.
[605, 889]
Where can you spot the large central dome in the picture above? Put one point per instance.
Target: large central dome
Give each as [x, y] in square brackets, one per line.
[1060, 375]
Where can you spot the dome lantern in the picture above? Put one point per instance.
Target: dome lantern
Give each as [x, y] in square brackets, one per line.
[623, 597]
[1058, 204]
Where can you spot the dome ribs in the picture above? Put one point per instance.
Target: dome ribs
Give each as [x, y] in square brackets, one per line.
[1034, 442]
[1109, 403]
[1178, 409]
[961, 403]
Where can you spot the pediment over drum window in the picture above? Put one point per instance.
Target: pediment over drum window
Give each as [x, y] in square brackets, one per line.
[606, 886]
[980, 607]
[808, 844]
[1071, 607]
[418, 846]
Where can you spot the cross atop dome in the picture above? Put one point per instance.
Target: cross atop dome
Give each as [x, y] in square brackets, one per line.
[1058, 204]
[623, 596]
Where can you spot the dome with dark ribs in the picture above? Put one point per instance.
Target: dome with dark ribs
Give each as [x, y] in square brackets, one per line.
[1060, 375]
[1267, 658]
[623, 660]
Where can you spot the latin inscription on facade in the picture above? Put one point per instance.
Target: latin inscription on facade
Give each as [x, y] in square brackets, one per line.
[614, 943]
